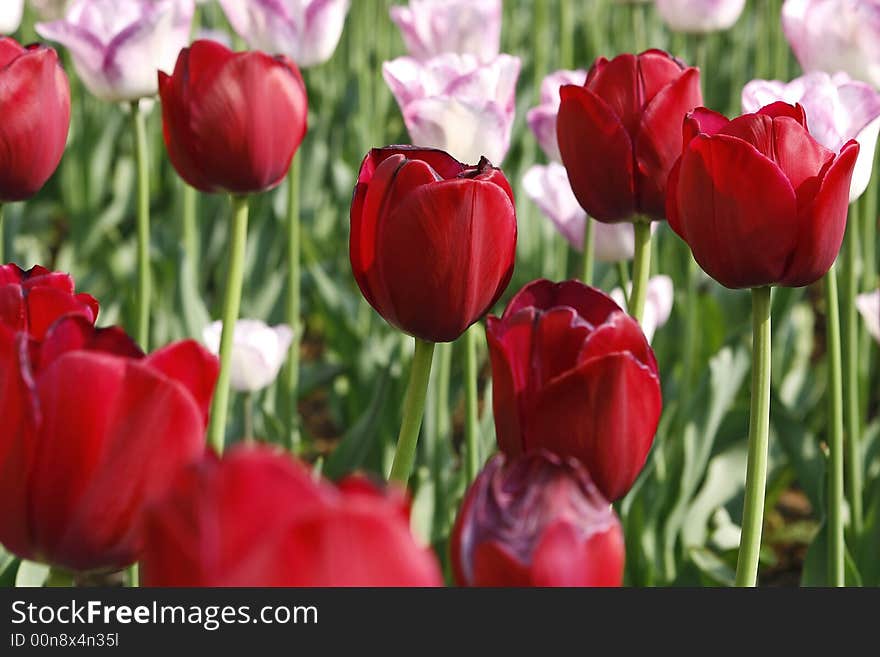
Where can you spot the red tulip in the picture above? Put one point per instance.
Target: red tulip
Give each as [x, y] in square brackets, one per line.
[620, 133]
[572, 373]
[31, 301]
[35, 106]
[432, 240]
[232, 121]
[259, 518]
[92, 431]
[536, 520]
[758, 200]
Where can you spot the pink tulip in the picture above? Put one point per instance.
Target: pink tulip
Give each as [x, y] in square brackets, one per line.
[869, 306]
[456, 103]
[838, 109]
[542, 119]
[658, 303]
[835, 35]
[307, 31]
[118, 46]
[700, 16]
[435, 27]
[547, 186]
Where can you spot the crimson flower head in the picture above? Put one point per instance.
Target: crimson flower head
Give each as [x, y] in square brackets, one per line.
[232, 121]
[259, 518]
[93, 430]
[432, 240]
[620, 133]
[572, 373]
[31, 301]
[536, 520]
[35, 111]
[757, 199]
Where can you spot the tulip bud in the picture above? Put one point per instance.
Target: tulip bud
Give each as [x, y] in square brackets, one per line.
[307, 31]
[434, 27]
[35, 106]
[232, 121]
[119, 45]
[432, 240]
[93, 431]
[572, 373]
[10, 16]
[536, 520]
[762, 180]
[620, 133]
[280, 527]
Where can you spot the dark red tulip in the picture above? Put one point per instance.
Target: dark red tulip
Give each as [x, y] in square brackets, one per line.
[31, 301]
[92, 431]
[232, 121]
[35, 111]
[259, 518]
[536, 520]
[572, 373]
[758, 200]
[432, 239]
[620, 133]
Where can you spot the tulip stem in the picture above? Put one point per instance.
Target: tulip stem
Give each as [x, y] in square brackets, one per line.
[589, 251]
[248, 417]
[191, 245]
[231, 305]
[641, 269]
[471, 424]
[759, 439]
[2, 255]
[134, 575]
[623, 278]
[835, 435]
[853, 462]
[143, 225]
[291, 379]
[413, 410]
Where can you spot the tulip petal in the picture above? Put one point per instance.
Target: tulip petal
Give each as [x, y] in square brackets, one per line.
[619, 334]
[495, 565]
[590, 303]
[190, 365]
[563, 557]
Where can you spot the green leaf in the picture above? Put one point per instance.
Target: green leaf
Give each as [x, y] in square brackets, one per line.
[816, 564]
[31, 574]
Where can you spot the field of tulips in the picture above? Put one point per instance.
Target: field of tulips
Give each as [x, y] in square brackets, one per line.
[439, 292]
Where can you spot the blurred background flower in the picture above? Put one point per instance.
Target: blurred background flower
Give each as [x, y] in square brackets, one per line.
[434, 27]
[699, 16]
[10, 15]
[258, 351]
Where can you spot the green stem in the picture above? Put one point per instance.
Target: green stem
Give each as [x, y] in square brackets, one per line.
[413, 409]
[143, 225]
[191, 242]
[759, 438]
[231, 304]
[2, 260]
[291, 379]
[248, 417]
[589, 251]
[471, 422]
[641, 269]
[63, 579]
[566, 34]
[623, 279]
[869, 237]
[835, 437]
[134, 575]
[638, 26]
[851, 374]
[692, 325]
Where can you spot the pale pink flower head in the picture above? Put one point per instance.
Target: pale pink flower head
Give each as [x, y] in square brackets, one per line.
[658, 303]
[838, 109]
[11, 12]
[542, 119]
[700, 16]
[869, 306]
[307, 31]
[835, 35]
[434, 27]
[457, 103]
[119, 46]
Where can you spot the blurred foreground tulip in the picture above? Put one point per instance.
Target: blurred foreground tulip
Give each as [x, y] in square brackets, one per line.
[837, 108]
[835, 35]
[31, 301]
[259, 518]
[700, 16]
[35, 110]
[10, 15]
[620, 133]
[435, 27]
[232, 121]
[92, 431]
[760, 180]
[258, 351]
[572, 373]
[658, 305]
[542, 119]
[869, 306]
[547, 186]
[432, 239]
[118, 46]
[456, 103]
[536, 520]
[307, 31]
